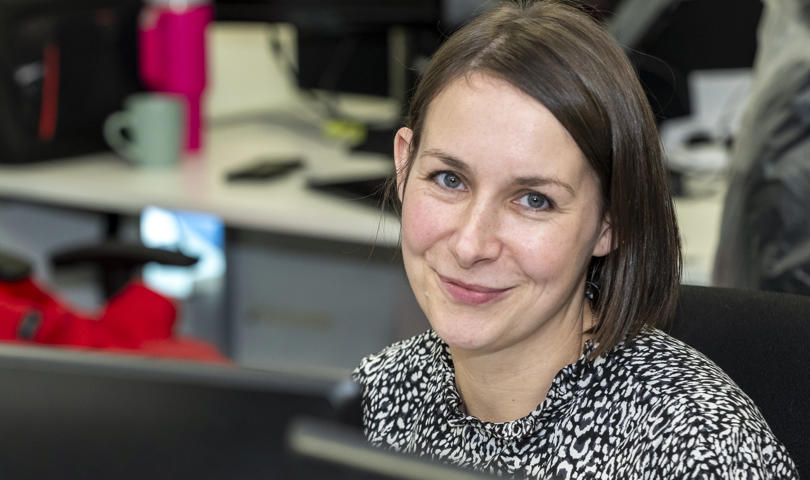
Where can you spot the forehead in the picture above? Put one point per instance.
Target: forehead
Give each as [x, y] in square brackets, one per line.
[480, 117]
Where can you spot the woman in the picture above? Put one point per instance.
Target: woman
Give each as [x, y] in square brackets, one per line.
[539, 238]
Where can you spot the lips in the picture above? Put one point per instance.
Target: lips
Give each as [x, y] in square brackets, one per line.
[471, 294]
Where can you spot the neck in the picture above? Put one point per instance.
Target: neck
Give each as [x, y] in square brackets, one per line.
[508, 384]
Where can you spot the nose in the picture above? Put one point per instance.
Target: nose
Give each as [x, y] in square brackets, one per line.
[476, 238]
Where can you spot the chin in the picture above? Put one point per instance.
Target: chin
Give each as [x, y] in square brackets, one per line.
[463, 334]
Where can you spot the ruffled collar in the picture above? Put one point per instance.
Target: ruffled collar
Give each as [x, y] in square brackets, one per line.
[562, 392]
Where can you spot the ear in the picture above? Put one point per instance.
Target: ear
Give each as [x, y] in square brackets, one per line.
[604, 242]
[402, 153]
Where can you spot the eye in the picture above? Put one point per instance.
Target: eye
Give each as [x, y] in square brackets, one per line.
[448, 179]
[535, 201]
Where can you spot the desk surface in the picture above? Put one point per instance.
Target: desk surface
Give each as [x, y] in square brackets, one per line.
[104, 182]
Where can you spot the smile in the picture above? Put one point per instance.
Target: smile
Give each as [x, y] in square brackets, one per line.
[470, 294]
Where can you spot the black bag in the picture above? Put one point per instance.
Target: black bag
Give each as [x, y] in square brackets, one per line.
[64, 66]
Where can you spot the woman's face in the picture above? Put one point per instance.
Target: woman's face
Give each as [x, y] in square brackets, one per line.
[500, 217]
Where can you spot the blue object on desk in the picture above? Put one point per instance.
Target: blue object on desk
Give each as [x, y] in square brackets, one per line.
[196, 234]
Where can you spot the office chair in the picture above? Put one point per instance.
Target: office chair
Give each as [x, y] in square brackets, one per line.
[13, 268]
[116, 262]
[761, 341]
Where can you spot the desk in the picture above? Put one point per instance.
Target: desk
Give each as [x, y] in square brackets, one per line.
[106, 183]
[299, 267]
[299, 270]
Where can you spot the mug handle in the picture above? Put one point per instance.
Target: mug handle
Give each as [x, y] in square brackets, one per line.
[114, 126]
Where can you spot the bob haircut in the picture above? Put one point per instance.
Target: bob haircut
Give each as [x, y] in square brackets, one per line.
[561, 57]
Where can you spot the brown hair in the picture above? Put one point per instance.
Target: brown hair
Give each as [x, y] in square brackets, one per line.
[558, 55]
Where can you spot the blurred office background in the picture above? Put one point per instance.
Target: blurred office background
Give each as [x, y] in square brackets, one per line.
[323, 82]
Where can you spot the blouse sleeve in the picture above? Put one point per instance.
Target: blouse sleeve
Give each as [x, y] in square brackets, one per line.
[737, 452]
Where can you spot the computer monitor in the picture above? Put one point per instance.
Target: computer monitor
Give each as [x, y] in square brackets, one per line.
[71, 414]
[348, 45]
[330, 442]
[668, 39]
[367, 47]
[327, 13]
[199, 235]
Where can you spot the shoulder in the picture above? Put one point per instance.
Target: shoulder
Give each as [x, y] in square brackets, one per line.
[698, 421]
[666, 368]
[396, 383]
[409, 355]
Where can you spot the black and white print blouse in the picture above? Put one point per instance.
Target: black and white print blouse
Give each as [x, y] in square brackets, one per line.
[650, 408]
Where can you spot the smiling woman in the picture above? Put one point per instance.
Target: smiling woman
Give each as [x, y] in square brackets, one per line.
[501, 220]
[529, 177]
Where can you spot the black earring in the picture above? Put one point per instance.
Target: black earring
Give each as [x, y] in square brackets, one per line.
[591, 291]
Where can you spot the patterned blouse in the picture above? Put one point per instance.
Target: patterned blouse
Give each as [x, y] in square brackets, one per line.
[650, 408]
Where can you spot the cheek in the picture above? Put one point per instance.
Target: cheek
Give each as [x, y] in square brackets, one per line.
[540, 253]
[549, 251]
[423, 223]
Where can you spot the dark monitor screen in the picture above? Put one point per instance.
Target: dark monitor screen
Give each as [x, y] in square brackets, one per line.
[668, 39]
[67, 414]
[364, 47]
[329, 14]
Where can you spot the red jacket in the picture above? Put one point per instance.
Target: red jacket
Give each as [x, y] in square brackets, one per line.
[136, 320]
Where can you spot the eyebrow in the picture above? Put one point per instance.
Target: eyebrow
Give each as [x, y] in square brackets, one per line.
[530, 181]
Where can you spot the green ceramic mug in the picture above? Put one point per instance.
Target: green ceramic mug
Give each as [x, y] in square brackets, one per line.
[155, 126]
